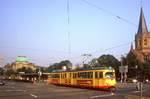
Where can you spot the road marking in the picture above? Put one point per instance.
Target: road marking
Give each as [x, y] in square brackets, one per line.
[33, 95]
[14, 90]
[112, 94]
[13, 87]
[136, 91]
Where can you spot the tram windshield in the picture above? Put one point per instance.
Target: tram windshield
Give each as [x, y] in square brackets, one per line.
[109, 74]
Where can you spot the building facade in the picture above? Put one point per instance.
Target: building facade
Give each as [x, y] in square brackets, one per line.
[22, 61]
[142, 40]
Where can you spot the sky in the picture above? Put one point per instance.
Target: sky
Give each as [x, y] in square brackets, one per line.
[38, 29]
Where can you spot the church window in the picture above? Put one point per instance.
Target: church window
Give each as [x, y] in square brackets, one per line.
[147, 57]
[139, 43]
[145, 41]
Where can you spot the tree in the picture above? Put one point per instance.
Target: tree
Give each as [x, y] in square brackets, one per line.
[23, 69]
[42, 69]
[1, 71]
[85, 67]
[66, 63]
[10, 72]
[132, 60]
[108, 60]
[145, 71]
[59, 66]
[94, 62]
[124, 61]
[133, 65]
[29, 70]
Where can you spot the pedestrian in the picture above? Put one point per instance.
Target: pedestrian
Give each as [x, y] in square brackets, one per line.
[138, 86]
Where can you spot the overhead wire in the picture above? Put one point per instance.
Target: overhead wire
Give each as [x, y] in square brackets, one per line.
[30, 49]
[99, 8]
[114, 47]
[109, 12]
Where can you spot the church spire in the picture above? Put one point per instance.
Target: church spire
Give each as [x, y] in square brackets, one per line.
[142, 23]
[131, 48]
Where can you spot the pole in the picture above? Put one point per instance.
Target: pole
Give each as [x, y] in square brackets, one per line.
[39, 73]
[125, 77]
[121, 70]
[121, 77]
[136, 71]
[141, 90]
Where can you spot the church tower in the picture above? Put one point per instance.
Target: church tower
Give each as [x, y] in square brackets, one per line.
[142, 40]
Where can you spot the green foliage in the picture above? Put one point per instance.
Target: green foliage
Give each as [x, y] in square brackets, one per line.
[65, 63]
[105, 61]
[1, 71]
[58, 66]
[10, 72]
[86, 66]
[42, 69]
[137, 69]
[124, 61]
[145, 71]
[132, 60]
[108, 60]
[94, 63]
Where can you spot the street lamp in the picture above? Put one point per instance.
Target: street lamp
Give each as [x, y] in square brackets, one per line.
[136, 71]
[40, 74]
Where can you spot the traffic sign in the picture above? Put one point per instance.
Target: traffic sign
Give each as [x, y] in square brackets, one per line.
[123, 69]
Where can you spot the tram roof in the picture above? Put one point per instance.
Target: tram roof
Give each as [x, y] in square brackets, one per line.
[99, 68]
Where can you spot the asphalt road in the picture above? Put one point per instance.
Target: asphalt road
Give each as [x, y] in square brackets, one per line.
[22, 90]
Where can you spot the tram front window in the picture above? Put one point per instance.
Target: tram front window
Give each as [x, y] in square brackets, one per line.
[109, 75]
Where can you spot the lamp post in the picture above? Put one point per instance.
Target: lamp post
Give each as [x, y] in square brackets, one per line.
[121, 69]
[136, 71]
[40, 74]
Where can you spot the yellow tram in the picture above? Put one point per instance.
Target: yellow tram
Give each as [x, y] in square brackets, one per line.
[93, 78]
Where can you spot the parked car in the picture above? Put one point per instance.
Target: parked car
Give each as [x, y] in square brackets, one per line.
[2, 82]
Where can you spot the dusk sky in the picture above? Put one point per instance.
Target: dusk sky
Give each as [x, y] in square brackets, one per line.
[38, 29]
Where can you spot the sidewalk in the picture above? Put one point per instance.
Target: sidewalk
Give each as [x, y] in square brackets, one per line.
[135, 97]
[133, 93]
[126, 85]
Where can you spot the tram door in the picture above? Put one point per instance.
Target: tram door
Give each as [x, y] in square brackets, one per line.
[98, 79]
[70, 79]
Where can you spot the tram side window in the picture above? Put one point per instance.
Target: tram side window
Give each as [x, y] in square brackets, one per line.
[73, 75]
[70, 75]
[86, 74]
[98, 74]
[90, 74]
[76, 75]
[63, 75]
[56, 76]
[83, 75]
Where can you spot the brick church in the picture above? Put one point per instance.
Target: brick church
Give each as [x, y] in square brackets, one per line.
[142, 40]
